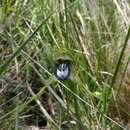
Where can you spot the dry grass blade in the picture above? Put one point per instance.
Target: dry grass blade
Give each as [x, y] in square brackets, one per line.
[42, 108]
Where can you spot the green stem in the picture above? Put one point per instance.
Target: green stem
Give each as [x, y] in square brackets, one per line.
[120, 58]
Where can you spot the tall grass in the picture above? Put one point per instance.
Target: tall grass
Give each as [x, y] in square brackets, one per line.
[33, 35]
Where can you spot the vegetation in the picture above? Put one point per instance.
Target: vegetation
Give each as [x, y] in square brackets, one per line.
[93, 36]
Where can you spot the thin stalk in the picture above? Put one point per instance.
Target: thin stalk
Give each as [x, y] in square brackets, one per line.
[76, 106]
[120, 58]
[66, 28]
[123, 76]
[17, 117]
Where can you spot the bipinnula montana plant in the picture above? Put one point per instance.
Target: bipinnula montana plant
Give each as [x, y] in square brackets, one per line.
[64, 64]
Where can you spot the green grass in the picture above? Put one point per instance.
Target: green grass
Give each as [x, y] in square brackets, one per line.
[92, 34]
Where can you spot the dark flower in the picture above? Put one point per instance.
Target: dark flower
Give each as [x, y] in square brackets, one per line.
[62, 69]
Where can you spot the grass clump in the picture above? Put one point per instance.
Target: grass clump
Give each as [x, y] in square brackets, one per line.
[88, 33]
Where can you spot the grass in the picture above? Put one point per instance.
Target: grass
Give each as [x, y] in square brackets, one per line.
[93, 36]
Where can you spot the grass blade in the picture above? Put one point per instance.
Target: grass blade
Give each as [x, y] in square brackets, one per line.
[4, 66]
[120, 58]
